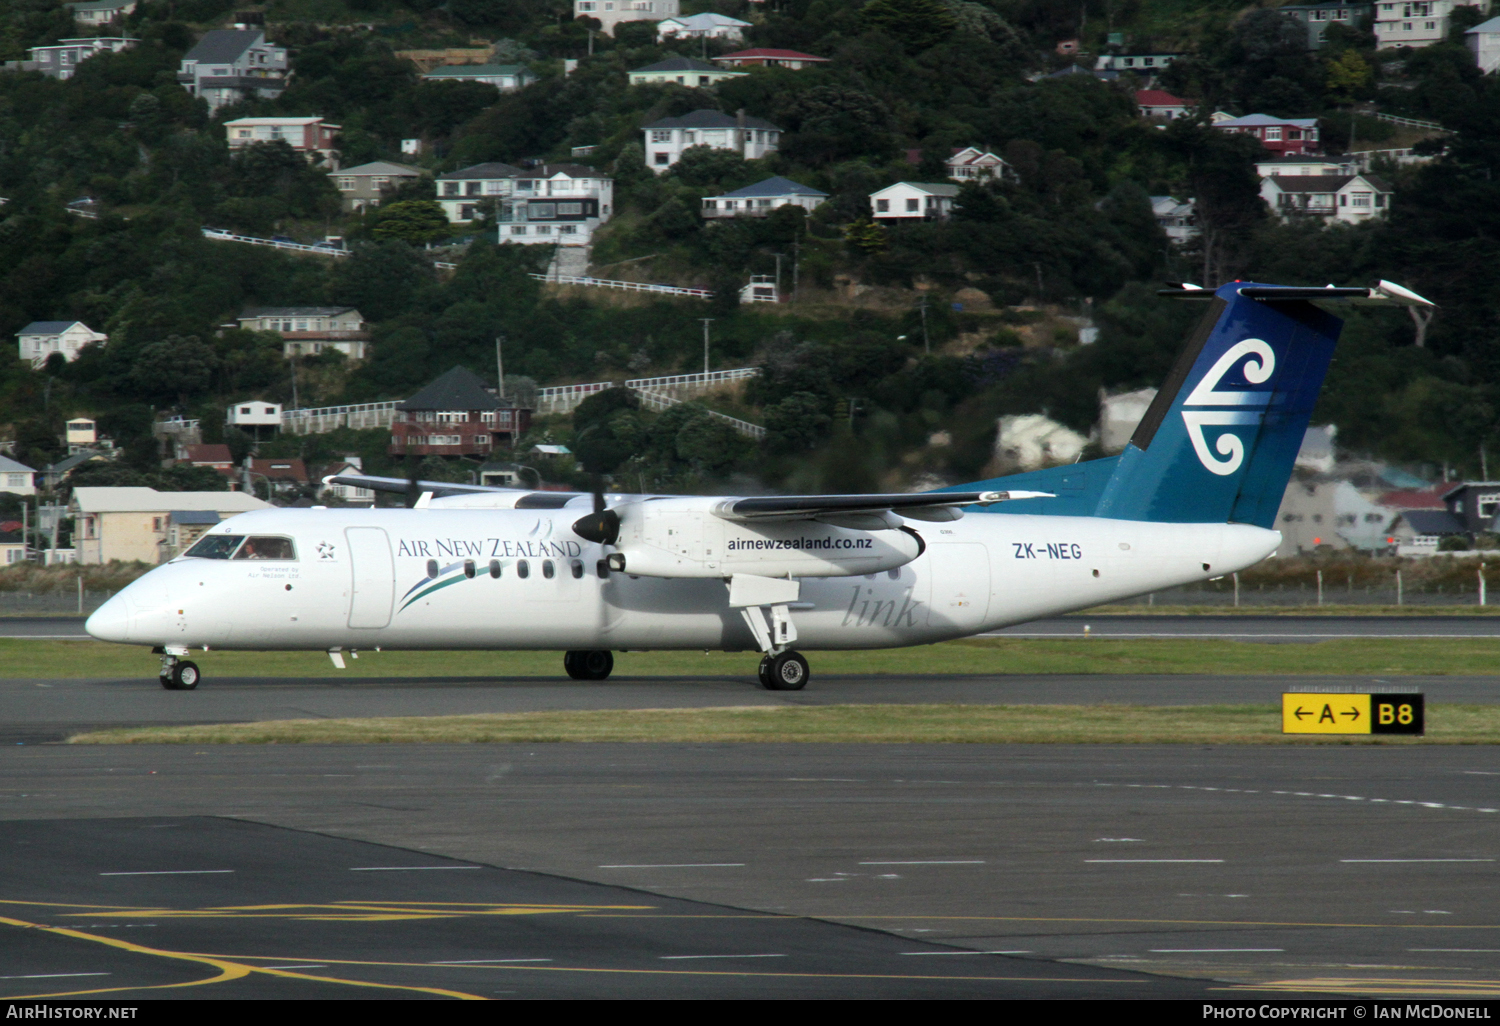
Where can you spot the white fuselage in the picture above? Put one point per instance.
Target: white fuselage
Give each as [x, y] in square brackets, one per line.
[422, 579]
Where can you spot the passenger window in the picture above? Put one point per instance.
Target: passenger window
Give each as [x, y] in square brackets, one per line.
[602, 569]
[432, 568]
[577, 568]
[215, 546]
[469, 568]
[523, 568]
[547, 569]
[267, 548]
[494, 568]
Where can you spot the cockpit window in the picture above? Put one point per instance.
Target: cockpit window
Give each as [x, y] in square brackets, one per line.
[215, 546]
[257, 547]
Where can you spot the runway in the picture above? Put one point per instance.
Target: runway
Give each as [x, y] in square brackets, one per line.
[1198, 872]
[40, 711]
[1245, 627]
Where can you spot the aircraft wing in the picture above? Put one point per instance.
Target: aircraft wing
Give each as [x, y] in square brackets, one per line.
[525, 497]
[938, 506]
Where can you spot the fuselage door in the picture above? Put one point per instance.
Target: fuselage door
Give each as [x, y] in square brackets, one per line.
[374, 583]
[960, 584]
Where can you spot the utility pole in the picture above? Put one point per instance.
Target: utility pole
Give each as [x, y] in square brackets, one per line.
[778, 276]
[706, 322]
[926, 342]
[796, 265]
[294, 383]
[499, 369]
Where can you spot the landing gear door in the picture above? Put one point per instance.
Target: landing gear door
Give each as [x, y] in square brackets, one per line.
[374, 583]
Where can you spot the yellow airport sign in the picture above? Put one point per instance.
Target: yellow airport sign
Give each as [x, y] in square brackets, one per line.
[1321, 713]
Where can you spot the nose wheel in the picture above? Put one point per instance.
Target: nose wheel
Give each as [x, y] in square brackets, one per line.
[785, 672]
[182, 675]
[589, 665]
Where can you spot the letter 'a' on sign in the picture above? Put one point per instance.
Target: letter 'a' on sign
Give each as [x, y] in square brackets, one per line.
[1321, 713]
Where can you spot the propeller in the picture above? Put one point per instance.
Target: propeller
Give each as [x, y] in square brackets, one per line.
[413, 490]
[601, 526]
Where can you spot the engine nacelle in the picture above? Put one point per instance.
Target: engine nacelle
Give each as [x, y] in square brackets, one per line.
[683, 538]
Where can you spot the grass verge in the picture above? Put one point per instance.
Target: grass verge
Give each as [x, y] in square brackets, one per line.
[880, 724]
[20, 659]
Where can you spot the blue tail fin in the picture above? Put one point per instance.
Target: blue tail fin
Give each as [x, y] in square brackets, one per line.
[1219, 441]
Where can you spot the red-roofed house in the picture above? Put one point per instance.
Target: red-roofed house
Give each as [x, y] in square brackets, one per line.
[1154, 103]
[216, 455]
[770, 59]
[976, 165]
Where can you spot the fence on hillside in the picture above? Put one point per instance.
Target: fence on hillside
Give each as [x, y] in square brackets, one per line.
[628, 286]
[1396, 119]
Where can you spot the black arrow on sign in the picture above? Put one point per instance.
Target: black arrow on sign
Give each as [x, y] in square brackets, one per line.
[1301, 712]
[1354, 713]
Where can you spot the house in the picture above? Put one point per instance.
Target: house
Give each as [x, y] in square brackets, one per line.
[80, 432]
[1178, 218]
[1154, 103]
[228, 65]
[311, 137]
[1317, 17]
[702, 26]
[1279, 135]
[1349, 199]
[974, 165]
[684, 71]
[214, 455]
[764, 58]
[16, 478]
[760, 199]
[1469, 509]
[1120, 415]
[12, 548]
[505, 77]
[609, 13]
[551, 203]
[1139, 63]
[1029, 441]
[100, 12]
[282, 476]
[1323, 512]
[1415, 24]
[135, 524]
[456, 416]
[351, 494]
[367, 185]
[751, 138]
[913, 201]
[40, 339]
[1483, 41]
[310, 330]
[61, 60]
[55, 474]
[1298, 164]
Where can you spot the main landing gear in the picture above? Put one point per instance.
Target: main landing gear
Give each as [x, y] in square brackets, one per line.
[178, 674]
[786, 671]
[589, 665]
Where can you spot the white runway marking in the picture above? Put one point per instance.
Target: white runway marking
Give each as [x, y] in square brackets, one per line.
[1304, 794]
[294, 967]
[169, 872]
[1463, 951]
[487, 961]
[1153, 860]
[1416, 860]
[963, 952]
[671, 958]
[396, 869]
[929, 862]
[678, 865]
[1206, 951]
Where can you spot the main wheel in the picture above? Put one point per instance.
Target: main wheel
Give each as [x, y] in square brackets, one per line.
[184, 676]
[589, 665]
[787, 672]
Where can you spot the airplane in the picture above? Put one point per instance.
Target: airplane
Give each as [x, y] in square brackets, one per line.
[1193, 497]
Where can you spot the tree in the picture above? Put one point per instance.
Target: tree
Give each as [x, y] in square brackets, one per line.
[796, 423]
[1348, 73]
[917, 24]
[413, 221]
[177, 367]
[866, 236]
[607, 430]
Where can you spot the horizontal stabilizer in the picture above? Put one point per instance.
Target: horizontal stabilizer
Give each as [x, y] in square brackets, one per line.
[1383, 294]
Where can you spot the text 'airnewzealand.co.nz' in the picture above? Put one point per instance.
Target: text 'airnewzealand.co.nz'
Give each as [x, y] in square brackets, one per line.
[1048, 550]
[742, 544]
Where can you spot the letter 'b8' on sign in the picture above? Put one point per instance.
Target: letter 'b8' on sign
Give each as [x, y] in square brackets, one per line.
[1309, 713]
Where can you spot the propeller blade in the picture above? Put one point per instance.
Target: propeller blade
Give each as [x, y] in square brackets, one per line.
[413, 488]
[598, 481]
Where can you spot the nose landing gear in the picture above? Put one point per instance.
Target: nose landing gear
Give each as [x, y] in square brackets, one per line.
[178, 674]
[589, 665]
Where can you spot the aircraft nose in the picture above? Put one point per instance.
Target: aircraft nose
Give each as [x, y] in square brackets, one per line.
[111, 621]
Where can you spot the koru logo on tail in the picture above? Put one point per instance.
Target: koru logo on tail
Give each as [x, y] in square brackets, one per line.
[1257, 370]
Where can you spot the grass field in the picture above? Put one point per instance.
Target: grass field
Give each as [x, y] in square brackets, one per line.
[904, 724]
[21, 658]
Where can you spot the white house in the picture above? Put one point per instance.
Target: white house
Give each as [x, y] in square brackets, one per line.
[552, 203]
[975, 165]
[1415, 24]
[16, 478]
[352, 494]
[1349, 199]
[312, 137]
[760, 199]
[61, 60]
[100, 12]
[684, 71]
[610, 13]
[253, 413]
[505, 77]
[310, 330]
[1178, 218]
[1120, 415]
[701, 26]
[751, 138]
[913, 201]
[1484, 43]
[40, 339]
[1298, 164]
[1154, 103]
[233, 64]
[1140, 63]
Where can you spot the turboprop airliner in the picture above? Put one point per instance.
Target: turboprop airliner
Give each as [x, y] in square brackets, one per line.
[1193, 497]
